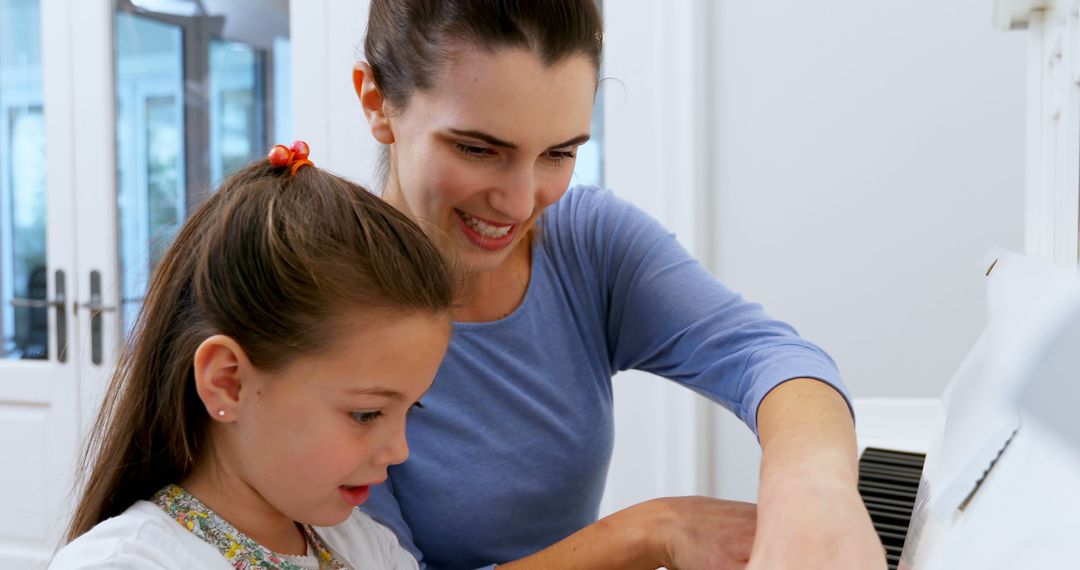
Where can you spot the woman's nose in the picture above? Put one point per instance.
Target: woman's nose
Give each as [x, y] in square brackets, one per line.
[516, 196]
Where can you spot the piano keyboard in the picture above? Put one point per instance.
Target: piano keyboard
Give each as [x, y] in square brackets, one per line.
[888, 482]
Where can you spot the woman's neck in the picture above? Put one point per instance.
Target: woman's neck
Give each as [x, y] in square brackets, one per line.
[234, 500]
[493, 295]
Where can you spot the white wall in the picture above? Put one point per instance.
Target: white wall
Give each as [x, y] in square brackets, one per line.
[865, 156]
[327, 38]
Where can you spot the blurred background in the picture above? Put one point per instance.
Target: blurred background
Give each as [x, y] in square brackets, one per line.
[845, 163]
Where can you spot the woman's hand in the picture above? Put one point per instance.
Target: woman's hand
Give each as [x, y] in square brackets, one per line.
[681, 533]
[815, 524]
[703, 533]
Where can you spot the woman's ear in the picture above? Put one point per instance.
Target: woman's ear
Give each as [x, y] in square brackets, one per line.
[373, 103]
[220, 368]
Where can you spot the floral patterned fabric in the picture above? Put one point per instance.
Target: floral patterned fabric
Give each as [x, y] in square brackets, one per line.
[240, 550]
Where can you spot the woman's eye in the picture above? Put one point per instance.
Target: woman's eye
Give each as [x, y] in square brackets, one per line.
[473, 151]
[365, 418]
[557, 156]
[413, 408]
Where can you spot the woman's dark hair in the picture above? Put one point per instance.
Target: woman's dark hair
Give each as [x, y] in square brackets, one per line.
[273, 261]
[409, 41]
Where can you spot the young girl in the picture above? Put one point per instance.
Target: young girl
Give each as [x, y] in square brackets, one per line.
[286, 334]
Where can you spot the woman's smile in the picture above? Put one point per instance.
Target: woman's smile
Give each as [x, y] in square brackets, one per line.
[485, 234]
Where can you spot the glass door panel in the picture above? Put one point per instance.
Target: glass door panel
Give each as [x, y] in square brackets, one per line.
[237, 116]
[195, 100]
[149, 64]
[24, 328]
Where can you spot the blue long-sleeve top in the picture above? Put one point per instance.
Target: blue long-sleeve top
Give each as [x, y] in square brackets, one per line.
[511, 452]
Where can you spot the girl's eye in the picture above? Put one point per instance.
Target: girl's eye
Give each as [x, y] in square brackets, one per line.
[365, 418]
[473, 151]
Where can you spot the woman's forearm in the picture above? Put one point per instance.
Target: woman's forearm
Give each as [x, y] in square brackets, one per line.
[806, 429]
[810, 514]
[620, 540]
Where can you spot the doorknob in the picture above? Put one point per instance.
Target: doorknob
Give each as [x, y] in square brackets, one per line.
[59, 302]
[96, 307]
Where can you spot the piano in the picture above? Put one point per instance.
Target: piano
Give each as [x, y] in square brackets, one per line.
[998, 483]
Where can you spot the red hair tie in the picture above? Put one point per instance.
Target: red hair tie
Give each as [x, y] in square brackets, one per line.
[294, 157]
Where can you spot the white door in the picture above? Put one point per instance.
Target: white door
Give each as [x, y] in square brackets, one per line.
[39, 359]
[115, 118]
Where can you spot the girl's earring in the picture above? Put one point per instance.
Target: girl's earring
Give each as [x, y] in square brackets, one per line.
[220, 413]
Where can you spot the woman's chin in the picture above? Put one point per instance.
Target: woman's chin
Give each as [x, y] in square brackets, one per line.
[472, 260]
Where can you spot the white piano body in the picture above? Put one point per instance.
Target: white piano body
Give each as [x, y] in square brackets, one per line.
[1000, 487]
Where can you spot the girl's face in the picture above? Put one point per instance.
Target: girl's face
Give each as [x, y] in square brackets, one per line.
[311, 439]
[482, 154]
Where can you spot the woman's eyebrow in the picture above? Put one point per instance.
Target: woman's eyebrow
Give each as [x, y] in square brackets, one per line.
[495, 141]
[479, 135]
[580, 139]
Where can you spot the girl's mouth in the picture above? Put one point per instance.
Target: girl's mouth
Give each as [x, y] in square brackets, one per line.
[354, 496]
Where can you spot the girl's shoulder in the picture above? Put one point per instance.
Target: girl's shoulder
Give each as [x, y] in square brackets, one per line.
[363, 542]
[142, 537]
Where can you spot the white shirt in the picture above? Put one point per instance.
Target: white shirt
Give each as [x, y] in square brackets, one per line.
[144, 537]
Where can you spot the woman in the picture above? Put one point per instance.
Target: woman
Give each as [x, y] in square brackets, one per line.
[481, 106]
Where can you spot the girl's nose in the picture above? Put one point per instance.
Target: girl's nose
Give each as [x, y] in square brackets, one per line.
[395, 451]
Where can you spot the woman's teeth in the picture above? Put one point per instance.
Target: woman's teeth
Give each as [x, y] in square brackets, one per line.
[483, 228]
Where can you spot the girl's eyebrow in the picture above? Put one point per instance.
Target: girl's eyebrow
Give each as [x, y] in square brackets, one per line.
[376, 391]
[495, 141]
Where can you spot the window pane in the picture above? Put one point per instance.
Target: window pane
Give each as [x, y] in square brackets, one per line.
[589, 167]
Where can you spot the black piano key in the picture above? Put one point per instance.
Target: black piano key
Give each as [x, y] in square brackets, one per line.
[888, 484]
[886, 490]
[872, 469]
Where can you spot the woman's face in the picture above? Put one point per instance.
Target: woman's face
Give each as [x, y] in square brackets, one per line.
[311, 438]
[482, 154]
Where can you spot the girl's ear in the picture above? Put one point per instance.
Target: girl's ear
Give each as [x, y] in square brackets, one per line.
[373, 103]
[220, 368]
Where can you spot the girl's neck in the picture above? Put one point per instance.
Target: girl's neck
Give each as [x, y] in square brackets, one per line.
[232, 499]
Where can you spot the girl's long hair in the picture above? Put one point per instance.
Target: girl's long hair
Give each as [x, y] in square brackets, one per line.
[271, 260]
